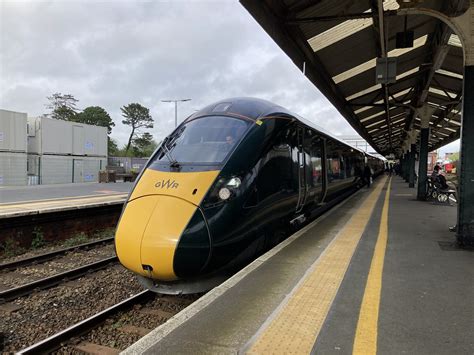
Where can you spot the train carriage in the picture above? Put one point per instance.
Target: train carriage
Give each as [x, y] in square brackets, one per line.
[224, 187]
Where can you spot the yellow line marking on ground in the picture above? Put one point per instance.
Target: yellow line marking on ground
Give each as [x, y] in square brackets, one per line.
[295, 325]
[19, 203]
[365, 341]
[61, 202]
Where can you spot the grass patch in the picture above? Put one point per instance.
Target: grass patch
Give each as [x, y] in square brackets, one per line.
[11, 248]
[37, 240]
[77, 239]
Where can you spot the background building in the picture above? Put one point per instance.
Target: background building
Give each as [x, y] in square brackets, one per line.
[65, 152]
[47, 151]
[13, 148]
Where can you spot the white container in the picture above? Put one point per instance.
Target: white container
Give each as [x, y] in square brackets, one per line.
[56, 136]
[13, 169]
[95, 141]
[49, 136]
[13, 134]
[57, 169]
[91, 168]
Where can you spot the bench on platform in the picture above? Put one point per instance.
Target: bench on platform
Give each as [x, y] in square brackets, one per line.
[120, 173]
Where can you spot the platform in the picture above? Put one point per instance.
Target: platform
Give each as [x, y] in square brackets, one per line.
[27, 200]
[377, 274]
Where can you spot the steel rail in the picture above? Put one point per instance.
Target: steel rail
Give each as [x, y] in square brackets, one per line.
[51, 255]
[54, 280]
[55, 341]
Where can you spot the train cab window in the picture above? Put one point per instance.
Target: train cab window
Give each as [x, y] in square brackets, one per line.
[205, 140]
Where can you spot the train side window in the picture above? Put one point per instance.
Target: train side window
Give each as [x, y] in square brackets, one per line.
[314, 147]
[334, 162]
[275, 174]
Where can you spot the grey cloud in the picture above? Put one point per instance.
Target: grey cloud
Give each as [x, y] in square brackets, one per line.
[113, 53]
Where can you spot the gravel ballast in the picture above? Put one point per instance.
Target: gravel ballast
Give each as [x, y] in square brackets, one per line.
[47, 312]
[71, 260]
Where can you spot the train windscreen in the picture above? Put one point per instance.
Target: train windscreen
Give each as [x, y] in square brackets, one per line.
[204, 140]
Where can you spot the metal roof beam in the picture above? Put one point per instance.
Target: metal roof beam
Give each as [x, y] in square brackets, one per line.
[293, 42]
[380, 43]
[440, 49]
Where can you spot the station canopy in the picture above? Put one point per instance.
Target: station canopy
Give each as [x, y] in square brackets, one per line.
[337, 45]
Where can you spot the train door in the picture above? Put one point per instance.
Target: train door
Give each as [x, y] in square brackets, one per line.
[302, 171]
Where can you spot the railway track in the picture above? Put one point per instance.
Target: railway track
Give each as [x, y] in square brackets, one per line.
[54, 342]
[48, 282]
[77, 337]
[51, 255]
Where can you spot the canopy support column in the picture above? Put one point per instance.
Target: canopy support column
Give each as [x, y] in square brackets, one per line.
[425, 115]
[411, 164]
[465, 225]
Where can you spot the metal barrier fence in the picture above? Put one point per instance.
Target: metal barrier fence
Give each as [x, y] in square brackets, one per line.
[135, 164]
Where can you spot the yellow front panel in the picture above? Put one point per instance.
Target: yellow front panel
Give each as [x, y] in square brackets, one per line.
[188, 186]
[168, 221]
[128, 237]
[155, 217]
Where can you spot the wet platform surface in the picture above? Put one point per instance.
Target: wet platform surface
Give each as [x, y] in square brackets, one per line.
[25, 200]
[380, 273]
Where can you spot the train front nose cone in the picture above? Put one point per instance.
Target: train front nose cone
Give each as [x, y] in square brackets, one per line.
[148, 234]
[193, 249]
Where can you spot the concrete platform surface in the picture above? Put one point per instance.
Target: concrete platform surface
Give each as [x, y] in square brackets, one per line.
[26, 200]
[13, 194]
[378, 273]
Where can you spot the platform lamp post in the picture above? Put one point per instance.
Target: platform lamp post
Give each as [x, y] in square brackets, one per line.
[176, 109]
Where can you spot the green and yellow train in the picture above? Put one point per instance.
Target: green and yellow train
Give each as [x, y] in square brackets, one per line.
[225, 186]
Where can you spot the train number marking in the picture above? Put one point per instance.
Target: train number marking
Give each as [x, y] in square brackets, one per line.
[168, 184]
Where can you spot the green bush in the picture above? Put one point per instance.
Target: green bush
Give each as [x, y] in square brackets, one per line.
[38, 238]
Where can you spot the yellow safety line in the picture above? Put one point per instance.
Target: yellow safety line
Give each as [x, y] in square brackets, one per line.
[295, 325]
[365, 341]
[19, 203]
[60, 204]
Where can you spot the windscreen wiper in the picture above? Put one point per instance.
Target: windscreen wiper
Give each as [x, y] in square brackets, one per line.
[173, 162]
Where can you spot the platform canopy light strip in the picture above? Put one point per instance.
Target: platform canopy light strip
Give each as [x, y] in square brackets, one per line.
[340, 41]
[345, 29]
[374, 88]
[449, 73]
[419, 42]
[362, 109]
[455, 41]
[449, 94]
[365, 108]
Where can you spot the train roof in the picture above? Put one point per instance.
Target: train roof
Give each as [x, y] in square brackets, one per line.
[254, 109]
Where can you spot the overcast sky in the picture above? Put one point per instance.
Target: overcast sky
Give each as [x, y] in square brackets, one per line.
[112, 53]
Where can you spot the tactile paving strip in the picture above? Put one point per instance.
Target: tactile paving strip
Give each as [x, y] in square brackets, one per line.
[295, 325]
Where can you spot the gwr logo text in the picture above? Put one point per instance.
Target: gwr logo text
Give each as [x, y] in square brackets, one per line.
[168, 184]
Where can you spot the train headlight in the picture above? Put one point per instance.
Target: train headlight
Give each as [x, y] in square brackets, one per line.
[224, 193]
[234, 182]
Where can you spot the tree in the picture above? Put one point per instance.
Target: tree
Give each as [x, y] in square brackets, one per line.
[112, 147]
[144, 145]
[138, 117]
[63, 107]
[95, 115]
[454, 157]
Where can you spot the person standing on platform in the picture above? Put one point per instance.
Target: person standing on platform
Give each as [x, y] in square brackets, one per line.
[367, 175]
